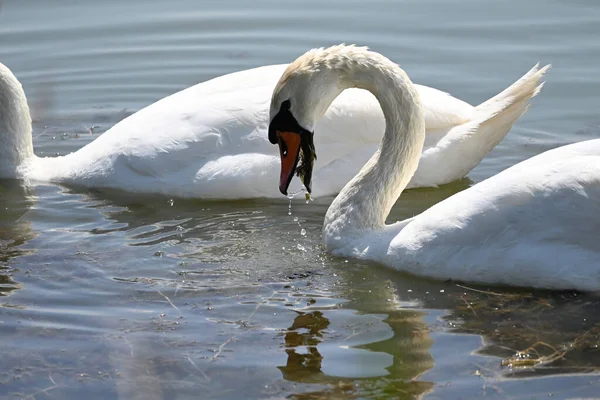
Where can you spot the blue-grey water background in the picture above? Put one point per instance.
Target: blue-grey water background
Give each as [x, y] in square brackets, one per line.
[107, 295]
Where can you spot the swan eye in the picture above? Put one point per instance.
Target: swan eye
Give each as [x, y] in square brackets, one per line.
[282, 144]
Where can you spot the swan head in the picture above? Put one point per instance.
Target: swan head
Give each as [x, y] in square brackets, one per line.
[296, 147]
[302, 96]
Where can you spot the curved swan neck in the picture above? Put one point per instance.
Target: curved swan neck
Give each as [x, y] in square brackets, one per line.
[365, 202]
[16, 143]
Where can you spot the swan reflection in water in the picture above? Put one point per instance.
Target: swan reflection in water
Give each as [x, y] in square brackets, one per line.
[15, 230]
[509, 320]
[408, 347]
[343, 330]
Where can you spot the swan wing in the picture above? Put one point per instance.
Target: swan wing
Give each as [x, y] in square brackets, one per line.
[451, 151]
[184, 144]
[441, 110]
[537, 222]
[210, 140]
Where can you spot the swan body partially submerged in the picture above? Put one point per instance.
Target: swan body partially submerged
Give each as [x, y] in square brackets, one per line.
[210, 140]
[535, 224]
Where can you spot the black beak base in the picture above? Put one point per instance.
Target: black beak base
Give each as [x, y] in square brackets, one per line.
[284, 121]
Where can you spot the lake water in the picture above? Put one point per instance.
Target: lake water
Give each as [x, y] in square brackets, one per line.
[105, 295]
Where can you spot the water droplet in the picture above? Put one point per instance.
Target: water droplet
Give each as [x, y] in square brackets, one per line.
[170, 202]
[291, 195]
[409, 290]
[290, 212]
[303, 232]
[300, 247]
[295, 219]
[283, 248]
[442, 291]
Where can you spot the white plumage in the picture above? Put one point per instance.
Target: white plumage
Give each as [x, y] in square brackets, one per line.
[210, 140]
[535, 224]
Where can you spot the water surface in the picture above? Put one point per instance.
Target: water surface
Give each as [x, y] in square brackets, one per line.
[108, 295]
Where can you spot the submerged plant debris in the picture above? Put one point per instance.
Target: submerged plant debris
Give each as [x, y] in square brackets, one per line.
[520, 326]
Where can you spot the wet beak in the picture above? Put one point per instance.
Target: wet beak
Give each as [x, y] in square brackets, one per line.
[295, 147]
[289, 151]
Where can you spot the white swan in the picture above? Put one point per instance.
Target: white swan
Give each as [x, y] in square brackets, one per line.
[210, 140]
[536, 224]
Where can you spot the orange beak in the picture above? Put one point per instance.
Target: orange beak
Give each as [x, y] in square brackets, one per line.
[289, 150]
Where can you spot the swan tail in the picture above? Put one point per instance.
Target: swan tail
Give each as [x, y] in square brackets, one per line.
[496, 116]
[465, 145]
[514, 100]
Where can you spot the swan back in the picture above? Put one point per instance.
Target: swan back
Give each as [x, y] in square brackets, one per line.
[16, 144]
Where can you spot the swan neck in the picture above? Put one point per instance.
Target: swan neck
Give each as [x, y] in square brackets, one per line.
[365, 202]
[16, 144]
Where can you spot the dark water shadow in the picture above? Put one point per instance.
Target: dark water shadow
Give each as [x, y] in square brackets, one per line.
[15, 230]
[530, 333]
[534, 333]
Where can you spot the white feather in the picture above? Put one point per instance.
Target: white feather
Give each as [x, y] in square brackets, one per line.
[210, 140]
[535, 224]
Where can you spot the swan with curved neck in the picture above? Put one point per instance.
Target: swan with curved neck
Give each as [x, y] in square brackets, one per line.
[310, 85]
[534, 224]
[210, 140]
